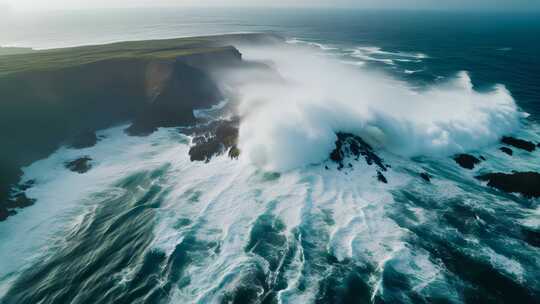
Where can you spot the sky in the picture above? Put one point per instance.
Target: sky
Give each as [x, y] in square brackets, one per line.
[18, 5]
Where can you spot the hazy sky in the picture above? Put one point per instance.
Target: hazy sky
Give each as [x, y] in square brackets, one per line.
[411, 4]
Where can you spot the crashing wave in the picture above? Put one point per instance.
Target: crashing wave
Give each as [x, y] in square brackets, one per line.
[293, 122]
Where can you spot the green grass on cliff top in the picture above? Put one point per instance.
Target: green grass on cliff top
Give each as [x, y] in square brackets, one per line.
[13, 61]
[14, 50]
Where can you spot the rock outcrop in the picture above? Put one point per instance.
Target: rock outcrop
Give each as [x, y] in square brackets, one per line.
[80, 165]
[216, 138]
[466, 161]
[15, 198]
[525, 183]
[507, 150]
[352, 146]
[519, 143]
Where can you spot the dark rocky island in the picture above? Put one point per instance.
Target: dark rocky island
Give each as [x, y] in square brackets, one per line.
[525, 183]
[466, 161]
[80, 165]
[519, 143]
[507, 150]
[353, 146]
[215, 138]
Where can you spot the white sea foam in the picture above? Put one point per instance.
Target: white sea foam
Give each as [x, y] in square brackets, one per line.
[366, 55]
[212, 112]
[64, 197]
[379, 51]
[369, 53]
[412, 71]
[324, 47]
[292, 124]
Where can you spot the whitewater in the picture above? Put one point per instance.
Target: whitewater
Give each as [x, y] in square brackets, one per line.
[283, 224]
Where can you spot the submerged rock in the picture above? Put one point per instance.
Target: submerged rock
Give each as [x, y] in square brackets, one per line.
[525, 183]
[349, 145]
[81, 165]
[381, 177]
[425, 176]
[507, 151]
[519, 143]
[466, 161]
[18, 201]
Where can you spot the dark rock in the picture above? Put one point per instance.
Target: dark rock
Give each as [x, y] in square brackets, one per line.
[519, 143]
[204, 150]
[466, 161]
[85, 139]
[531, 236]
[507, 150]
[4, 213]
[20, 201]
[349, 145]
[525, 183]
[482, 158]
[234, 152]
[26, 185]
[381, 177]
[214, 139]
[9, 178]
[181, 88]
[425, 176]
[81, 165]
[11, 192]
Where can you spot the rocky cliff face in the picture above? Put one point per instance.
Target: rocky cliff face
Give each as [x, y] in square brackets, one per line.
[175, 88]
[42, 109]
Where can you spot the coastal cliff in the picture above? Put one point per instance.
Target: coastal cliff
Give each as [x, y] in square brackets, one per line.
[49, 98]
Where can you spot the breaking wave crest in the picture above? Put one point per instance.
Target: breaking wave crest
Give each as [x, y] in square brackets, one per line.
[291, 122]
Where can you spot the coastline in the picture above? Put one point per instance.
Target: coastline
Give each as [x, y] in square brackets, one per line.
[56, 97]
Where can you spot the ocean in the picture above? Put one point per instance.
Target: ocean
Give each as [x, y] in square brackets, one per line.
[283, 224]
